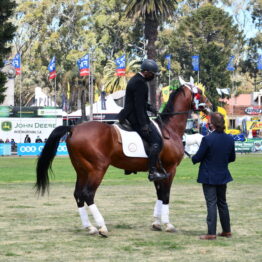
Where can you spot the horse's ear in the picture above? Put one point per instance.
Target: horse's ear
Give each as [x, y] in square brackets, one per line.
[191, 80]
[182, 82]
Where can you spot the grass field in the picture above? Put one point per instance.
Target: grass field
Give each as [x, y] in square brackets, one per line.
[48, 228]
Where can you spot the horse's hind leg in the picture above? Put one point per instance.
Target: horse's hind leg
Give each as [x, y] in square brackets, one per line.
[82, 210]
[87, 185]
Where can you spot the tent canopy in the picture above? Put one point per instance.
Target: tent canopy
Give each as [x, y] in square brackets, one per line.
[108, 106]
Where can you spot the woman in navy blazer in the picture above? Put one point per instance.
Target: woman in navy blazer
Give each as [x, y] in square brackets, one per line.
[215, 152]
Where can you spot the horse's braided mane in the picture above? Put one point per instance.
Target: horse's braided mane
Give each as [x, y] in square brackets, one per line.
[169, 108]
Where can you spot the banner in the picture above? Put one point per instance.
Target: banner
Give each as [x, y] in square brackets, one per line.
[248, 146]
[35, 149]
[18, 128]
[195, 62]
[259, 63]
[84, 65]
[103, 100]
[17, 64]
[5, 149]
[230, 65]
[168, 58]
[52, 68]
[121, 65]
[254, 125]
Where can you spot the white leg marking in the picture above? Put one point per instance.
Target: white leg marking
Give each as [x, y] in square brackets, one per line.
[85, 221]
[157, 215]
[99, 220]
[165, 214]
[84, 216]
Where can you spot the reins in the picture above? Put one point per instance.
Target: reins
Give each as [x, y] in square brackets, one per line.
[172, 114]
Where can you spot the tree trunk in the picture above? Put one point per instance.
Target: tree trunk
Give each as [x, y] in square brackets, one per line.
[151, 33]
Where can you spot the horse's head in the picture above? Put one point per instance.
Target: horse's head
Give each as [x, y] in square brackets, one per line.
[199, 101]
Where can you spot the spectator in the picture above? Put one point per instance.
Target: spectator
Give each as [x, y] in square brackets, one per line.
[7, 141]
[1, 140]
[38, 140]
[27, 139]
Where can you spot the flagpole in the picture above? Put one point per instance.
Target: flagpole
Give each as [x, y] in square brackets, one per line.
[169, 77]
[20, 100]
[90, 87]
[55, 102]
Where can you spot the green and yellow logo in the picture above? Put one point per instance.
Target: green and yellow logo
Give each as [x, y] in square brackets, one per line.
[6, 126]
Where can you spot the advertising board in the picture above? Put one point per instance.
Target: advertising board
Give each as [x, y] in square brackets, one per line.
[34, 149]
[18, 128]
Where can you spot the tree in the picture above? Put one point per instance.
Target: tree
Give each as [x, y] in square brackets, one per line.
[112, 82]
[69, 29]
[153, 12]
[208, 31]
[7, 31]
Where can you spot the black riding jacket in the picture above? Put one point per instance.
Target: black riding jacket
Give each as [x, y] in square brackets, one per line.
[136, 106]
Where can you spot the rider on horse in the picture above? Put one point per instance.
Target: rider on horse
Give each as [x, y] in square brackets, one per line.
[135, 111]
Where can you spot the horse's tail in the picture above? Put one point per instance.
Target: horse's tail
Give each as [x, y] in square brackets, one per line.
[44, 162]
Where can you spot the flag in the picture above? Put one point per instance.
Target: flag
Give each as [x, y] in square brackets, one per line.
[84, 65]
[168, 58]
[64, 103]
[52, 68]
[103, 100]
[259, 63]
[195, 62]
[230, 65]
[17, 64]
[121, 65]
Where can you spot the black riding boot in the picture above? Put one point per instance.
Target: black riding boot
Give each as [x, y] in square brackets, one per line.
[154, 174]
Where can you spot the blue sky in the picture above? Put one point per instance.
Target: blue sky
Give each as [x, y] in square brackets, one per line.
[242, 17]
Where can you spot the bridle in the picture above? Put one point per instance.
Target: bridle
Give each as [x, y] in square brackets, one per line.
[197, 107]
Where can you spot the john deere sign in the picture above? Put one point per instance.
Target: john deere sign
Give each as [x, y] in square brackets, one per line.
[6, 126]
[18, 128]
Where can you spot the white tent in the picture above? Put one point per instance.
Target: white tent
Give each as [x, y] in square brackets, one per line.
[110, 107]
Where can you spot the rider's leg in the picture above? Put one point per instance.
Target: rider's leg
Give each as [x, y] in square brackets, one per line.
[156, 145]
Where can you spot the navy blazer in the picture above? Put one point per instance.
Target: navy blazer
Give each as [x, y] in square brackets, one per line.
[215, 152]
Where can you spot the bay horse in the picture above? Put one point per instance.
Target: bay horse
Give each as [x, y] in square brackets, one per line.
[93, 146]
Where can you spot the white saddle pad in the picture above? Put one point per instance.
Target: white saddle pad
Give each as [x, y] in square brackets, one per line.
[132, 143]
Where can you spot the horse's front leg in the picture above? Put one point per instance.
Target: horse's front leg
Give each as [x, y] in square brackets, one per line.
[161, 209]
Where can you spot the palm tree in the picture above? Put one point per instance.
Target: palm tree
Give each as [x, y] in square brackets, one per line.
[153, 12]
[112, 82]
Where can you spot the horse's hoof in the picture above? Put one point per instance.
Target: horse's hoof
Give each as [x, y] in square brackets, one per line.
[156, 227]
[91, 230]
[170, 228]
[103, 231]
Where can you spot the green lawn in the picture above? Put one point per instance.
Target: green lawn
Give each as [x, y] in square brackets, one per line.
[48, 229]
[246, 168]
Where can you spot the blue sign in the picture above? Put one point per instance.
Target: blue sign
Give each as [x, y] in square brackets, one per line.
[195, 62]
[35, 149]
[259, 63]
[5, 149]
[168, 58]
[230, 65]
[121, 62]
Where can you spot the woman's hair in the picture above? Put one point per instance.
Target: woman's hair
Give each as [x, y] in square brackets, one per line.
[218, 121]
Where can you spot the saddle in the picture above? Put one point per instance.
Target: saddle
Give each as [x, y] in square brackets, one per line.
[132, 143]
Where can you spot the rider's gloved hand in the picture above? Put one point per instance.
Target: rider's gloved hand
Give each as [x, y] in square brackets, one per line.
[145, 130]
